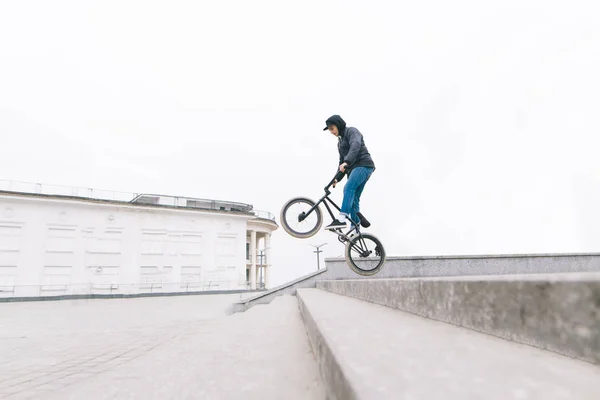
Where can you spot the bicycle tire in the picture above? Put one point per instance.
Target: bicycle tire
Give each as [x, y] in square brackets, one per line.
[285, 211]
[353, 258]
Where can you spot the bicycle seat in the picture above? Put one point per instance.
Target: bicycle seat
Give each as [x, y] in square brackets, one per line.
[363, 221]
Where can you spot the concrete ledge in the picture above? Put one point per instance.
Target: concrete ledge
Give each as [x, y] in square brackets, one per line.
[368, 351]
[557, 312]
[307, 281]
[337, 384]
[461, 265]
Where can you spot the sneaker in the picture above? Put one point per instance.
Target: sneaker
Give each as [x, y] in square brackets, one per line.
[336, 225]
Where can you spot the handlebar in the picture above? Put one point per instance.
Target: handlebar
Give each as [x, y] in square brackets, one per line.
[339, 176]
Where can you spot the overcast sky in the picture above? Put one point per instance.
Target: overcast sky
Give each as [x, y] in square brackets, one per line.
[482, 117]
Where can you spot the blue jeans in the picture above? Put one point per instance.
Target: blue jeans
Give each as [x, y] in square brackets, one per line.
[353, 189]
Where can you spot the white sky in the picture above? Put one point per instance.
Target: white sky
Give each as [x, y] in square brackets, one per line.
[482, 117]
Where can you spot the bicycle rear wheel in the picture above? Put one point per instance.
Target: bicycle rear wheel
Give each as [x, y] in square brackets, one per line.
[295, 220]
[365, 254]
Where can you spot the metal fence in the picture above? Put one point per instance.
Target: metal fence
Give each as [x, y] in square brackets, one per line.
[13, 291]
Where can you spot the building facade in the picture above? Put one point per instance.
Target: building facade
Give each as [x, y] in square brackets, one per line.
[57, 244]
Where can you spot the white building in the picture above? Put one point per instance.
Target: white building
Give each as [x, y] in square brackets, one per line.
[57, 241]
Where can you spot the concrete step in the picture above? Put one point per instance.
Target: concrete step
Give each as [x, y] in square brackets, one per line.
[557, 312]
[369, 351]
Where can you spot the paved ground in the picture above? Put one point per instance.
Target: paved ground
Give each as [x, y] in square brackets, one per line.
[155, 348]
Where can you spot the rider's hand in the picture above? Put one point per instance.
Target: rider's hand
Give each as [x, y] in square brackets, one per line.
[343, 167]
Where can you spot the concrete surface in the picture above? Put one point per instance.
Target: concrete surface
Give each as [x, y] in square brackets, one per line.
[368, 351]
[558, 312]
[155, 348]
[398, 267]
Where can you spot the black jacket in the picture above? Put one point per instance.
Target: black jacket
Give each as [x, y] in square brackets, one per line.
[351, 147]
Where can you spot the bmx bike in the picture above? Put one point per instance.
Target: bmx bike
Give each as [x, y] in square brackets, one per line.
[301, 217]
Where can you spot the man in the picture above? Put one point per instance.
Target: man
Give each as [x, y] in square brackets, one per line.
[356, 162]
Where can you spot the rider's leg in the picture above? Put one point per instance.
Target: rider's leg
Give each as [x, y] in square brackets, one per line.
[357, 194]
[357, 178]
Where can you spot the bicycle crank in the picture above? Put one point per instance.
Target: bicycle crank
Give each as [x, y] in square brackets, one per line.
[366, 253]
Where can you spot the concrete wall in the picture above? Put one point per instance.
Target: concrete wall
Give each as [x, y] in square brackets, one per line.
[462, 265]
[47, 243]
[432, 266]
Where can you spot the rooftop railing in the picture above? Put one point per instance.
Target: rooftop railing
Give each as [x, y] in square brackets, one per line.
[264, 215]
[130, 197]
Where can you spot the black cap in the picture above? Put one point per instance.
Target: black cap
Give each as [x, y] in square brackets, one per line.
[335, 120]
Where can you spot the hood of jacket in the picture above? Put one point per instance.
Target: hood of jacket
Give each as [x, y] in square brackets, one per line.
[337, 121]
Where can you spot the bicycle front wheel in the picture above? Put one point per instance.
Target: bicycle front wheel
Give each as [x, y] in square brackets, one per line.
[296, 219]
[365, 254]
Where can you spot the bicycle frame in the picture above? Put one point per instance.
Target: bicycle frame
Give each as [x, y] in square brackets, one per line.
[324, 199]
